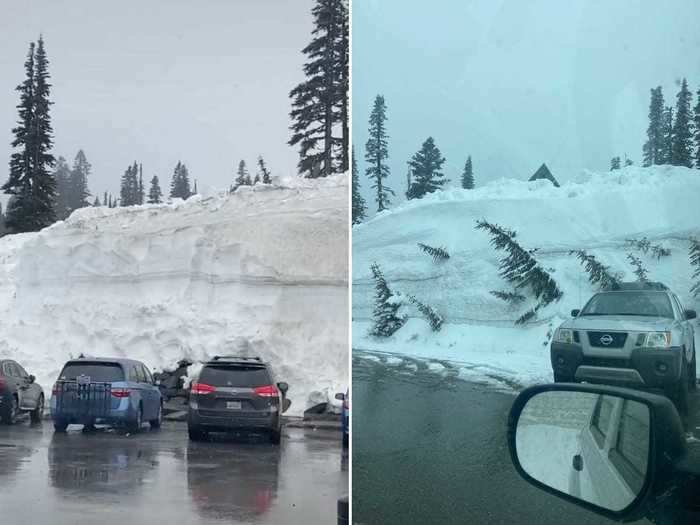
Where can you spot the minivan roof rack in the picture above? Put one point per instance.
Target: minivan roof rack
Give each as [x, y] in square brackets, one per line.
[638, 285]
[236, 358]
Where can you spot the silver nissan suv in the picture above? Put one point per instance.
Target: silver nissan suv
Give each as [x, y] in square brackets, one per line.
[636, 335]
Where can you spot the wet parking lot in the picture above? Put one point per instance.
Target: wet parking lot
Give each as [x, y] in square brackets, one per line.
[159, 477]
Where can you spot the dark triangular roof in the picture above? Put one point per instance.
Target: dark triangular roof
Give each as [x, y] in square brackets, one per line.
[544, 173]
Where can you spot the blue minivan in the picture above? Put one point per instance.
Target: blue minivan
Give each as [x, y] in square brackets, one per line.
[118, 392]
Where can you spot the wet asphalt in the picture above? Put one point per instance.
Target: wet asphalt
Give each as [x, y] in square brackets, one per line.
[431, 448]
[160, 478]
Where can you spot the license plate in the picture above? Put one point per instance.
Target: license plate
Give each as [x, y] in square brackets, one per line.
[233, 405]
[83, 380]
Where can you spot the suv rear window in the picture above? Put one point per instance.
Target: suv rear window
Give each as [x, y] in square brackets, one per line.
[241, 376]
[647, 304]
[97, 372]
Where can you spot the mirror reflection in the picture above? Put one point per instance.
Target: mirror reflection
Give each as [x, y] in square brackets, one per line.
[593, 447]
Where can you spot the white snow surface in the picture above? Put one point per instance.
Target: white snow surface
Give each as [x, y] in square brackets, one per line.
[262, 271]
[596, 212]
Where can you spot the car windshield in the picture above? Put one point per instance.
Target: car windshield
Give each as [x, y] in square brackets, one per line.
[647, 304]
[97, 372]
[235, 376]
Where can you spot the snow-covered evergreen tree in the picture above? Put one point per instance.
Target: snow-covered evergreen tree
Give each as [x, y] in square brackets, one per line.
[654, 146]
[438, 254]
[509, 297]
[468, 175]
[696, 122]
[639, 270]
[263, 172]
[359, 208]
[155, 195]
[434, 318]
[79, 193]
[129, 190]
[668, 136]
[242, 176]
[319, 104]
[520, 267]
[96, 202]
[598, 273]
[385, 317]
[377, 153]
[682, 143]
[628, 162]
[180, 184]
[62, 176]
[426, 166]
[615, 163]
[694, 254]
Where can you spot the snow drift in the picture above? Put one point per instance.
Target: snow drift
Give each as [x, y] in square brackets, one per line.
[262, 271]
[597, 212]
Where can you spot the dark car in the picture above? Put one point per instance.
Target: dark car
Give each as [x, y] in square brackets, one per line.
[345, 421]
[118, 392]
[19, 393]
[234, 393]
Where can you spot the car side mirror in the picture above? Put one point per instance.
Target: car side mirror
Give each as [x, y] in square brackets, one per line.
[340, 396]
[610, 450]
[285, 406]
[574, 313]
[690, 314]
[283, 387]
[31, 378]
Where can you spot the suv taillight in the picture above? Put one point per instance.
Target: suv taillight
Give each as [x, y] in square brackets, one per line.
[2, 383]
[202, 388]
[120, 392]
[266, 391]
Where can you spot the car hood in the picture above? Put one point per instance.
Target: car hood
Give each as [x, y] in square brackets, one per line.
[626, 323]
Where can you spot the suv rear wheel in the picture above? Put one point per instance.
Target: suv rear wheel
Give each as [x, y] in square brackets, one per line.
[9, 415]
[36, 414]
[60, 425]
[135, 425]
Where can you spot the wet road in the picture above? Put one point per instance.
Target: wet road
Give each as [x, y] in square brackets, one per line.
[158, 477]
[431, 448]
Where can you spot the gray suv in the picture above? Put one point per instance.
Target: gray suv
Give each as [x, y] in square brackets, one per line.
[636, 335]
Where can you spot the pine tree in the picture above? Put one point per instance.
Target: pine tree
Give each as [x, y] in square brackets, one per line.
[62, 176]
[359, 208]
[425, 167]
[319, 104]
[615, 163]
[519, 267]
[654, 146]
[141, 193]
[129, 186]
[509, 297]
[243, 177]
[377, 152]
[694, 254]
[194, 190]
[104, 199]
[263, 172]
[598, 273]
[628, 161]
[180, 184]
[639, 269]
[96, 202]
[79, 192]
[31, 184]
[668, 135]
[467, 175]
[438, 254]
[697, 131]
[682, 145]
[431, 315]
[155, 195]
[386, 307]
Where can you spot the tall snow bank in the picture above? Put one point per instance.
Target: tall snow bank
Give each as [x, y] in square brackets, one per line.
[596, 212]
[262, 271]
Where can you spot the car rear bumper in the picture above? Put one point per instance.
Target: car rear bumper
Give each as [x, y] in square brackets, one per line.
[123, 414]
[226, 421]
[645, 368]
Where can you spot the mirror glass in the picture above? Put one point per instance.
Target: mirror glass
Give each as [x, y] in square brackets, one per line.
[593, 447]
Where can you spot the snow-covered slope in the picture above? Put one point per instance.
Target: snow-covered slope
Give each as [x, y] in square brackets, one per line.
[597, 212]
[262, 271]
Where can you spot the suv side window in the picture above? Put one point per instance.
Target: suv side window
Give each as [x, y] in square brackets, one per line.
[7, 369]
[629, 455]
[601, 420]
[148, 378]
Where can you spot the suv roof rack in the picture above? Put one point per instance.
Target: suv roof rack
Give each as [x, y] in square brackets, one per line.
[638, 285]
[238, 358]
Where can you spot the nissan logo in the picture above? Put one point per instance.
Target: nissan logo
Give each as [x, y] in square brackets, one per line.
[606, 339]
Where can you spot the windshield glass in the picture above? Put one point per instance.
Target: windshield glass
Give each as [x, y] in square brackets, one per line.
[97, 372]
[648, 304]
[241, 376]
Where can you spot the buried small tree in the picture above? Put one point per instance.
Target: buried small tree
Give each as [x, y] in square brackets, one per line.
[521, 269]
[386, 306]
[434, 318]
[639, 270]
[509, 297]
[438, 254]
[695, 262]
[598, 273]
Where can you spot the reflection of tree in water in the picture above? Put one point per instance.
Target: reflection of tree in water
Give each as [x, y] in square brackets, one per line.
[100, 463]
[233, 481]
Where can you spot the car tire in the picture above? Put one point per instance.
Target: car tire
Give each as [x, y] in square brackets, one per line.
[196, 434]
[693, 374]
[60, 426]
[36, 414]
[9, 416]
[346, 440]
[276, 436]
[135, 425]
[157, 422]
[680, 395]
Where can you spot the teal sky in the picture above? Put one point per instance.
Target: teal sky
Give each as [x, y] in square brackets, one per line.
[517, 83]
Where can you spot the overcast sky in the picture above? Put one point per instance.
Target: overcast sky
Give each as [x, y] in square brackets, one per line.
[161, 81]
[517, 83]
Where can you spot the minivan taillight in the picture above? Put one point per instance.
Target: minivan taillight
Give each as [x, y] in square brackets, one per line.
[121, 392]
[54, 390]
[266, 391]
[202, 388]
